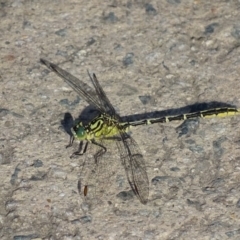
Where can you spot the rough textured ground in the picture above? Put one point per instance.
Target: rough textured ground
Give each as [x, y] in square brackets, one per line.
[149, 56]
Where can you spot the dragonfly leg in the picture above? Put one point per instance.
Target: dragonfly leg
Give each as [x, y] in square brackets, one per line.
[79, 152]
[100, 152]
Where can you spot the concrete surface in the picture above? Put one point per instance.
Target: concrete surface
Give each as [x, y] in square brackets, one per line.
[149, 56]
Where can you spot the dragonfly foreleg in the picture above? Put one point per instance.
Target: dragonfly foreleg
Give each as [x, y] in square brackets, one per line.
[79, 152]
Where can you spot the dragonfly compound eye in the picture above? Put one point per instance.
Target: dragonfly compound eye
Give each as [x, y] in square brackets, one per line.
[80, 132]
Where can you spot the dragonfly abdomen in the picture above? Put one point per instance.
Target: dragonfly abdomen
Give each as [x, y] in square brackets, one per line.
[215, 112]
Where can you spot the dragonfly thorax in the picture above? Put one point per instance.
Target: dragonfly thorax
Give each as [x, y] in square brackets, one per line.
[103, 126]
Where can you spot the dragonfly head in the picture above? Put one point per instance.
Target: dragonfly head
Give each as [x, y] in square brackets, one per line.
[79, 132]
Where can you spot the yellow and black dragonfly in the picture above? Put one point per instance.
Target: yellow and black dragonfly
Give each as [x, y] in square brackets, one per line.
[109, 126]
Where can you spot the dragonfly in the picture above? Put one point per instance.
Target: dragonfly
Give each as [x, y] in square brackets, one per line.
[109, 126]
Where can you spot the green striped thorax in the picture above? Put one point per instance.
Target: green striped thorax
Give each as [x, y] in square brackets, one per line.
[102, 126]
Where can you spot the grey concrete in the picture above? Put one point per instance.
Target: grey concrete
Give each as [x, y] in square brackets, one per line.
[148, 56]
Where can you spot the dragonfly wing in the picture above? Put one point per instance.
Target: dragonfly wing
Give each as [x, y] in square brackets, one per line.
[105, 103]
[134, 165]
[85, 91]
[97, 174]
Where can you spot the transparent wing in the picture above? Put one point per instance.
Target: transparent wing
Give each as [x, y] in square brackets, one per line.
[95, 97]
[98, 173]
[105, 103]
[134, 165]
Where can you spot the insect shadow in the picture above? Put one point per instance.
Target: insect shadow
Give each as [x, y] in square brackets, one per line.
[196, 107]
[85, 117]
